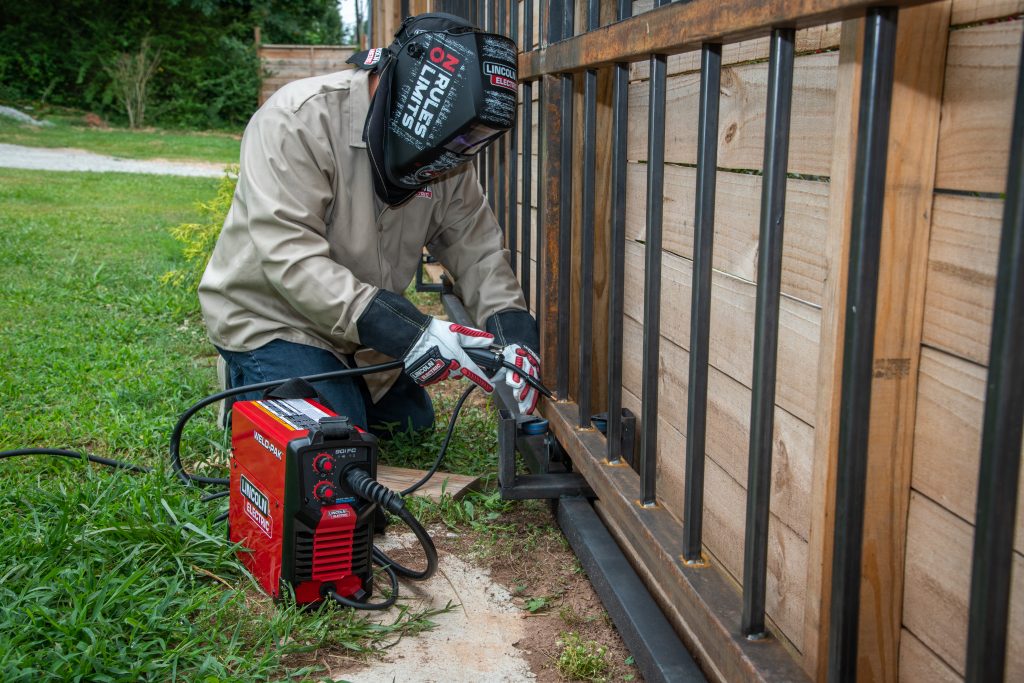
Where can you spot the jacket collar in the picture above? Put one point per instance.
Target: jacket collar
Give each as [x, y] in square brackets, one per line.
[359, 105]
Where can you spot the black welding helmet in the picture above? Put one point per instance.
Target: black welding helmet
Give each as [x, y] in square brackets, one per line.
[446, 90]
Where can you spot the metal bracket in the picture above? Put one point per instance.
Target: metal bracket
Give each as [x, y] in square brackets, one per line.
[422, 286]
[550, 476]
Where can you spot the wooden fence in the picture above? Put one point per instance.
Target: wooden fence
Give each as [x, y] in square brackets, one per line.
[616, 103]
[285, 63]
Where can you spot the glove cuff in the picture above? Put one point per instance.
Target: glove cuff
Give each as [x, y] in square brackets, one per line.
[514, 326]
[391, 324]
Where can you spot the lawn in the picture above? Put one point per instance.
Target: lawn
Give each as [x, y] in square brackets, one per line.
[71, 131]
[116, 576]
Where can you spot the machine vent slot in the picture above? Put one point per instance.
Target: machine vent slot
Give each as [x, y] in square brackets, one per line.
[332, 554]
[303, 552]
[362, 544]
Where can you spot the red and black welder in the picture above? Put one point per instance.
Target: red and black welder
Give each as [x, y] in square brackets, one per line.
[303, 498]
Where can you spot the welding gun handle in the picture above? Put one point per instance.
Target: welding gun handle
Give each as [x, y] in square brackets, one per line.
[492, 361]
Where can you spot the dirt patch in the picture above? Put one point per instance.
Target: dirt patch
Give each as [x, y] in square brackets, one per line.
[533, 561]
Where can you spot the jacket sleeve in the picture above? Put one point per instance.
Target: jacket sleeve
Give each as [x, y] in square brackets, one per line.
[286, 182]
[468, 242]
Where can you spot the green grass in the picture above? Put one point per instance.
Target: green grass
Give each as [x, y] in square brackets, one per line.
[106, 576]
[216, 147]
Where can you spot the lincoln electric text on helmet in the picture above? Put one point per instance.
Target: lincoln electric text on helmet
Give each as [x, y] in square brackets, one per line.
[446, 90]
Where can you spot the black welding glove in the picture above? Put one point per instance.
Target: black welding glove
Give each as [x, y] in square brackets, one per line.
[516, 331]
[431, 349]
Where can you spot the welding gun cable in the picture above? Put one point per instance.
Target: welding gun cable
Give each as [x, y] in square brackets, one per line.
[175, 445]
[444, 446]
[346, 602]
[77, 455]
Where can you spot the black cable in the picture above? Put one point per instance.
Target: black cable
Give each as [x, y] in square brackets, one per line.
[214, 496]
[78, 455]
[444, 446]
[175, 445]
[346, 602]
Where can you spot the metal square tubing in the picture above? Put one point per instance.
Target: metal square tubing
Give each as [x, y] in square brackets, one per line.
[700, 300]
[527, 188]
[859, 338]
[587, 243]
[513, 159]
[1001, 433]
[652, 281]
[766, 329]
[616, 275]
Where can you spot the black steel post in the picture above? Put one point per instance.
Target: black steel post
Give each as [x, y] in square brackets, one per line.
[859, 338]
[513, 161]
[766, 329]
[527, 190]
[652, 281]
[617, 274]
[587, 228]
[1001, 433]
[700, 299]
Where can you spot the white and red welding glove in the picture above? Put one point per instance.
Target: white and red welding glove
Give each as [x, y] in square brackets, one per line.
[528, 363]
[516, 331]
[430, 349]
[438, 354]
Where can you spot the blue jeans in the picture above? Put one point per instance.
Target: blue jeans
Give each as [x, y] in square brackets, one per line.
[406, 406]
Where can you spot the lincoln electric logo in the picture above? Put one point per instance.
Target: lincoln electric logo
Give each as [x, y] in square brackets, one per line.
[266, 443]
[501, 75]
[257, 505]
[429, 91]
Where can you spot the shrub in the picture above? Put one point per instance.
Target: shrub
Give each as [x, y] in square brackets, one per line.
[199, 239]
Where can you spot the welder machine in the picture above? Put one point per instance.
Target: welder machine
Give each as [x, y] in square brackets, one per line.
[303, 499]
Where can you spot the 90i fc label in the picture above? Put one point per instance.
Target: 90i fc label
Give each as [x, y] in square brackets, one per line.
[257, 505]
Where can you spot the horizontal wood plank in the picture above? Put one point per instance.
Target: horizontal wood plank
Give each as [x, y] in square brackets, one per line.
[737, 224]
[918, 664]
[947, 435]
[742, 116]
[970, 11]
[454, 485]
[962, 258]
[732, 327]
[977, 107]
[938, 579]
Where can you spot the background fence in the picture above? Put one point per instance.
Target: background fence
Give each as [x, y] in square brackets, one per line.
[285, 63]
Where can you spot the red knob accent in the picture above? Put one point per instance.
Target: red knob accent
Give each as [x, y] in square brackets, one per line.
[324, 491]
[323, 463]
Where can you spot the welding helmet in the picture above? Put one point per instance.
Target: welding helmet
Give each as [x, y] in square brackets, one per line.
[446, 90]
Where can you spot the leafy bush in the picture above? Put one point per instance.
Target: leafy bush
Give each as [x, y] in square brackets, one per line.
[199, 239]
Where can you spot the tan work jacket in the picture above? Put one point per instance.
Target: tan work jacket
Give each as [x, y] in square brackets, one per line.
[306, 243]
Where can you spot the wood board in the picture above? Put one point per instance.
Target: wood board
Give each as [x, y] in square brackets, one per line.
[962, 260]
[977, 107]
[454, 485]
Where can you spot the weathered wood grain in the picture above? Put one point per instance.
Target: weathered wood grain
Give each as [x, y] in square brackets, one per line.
[970, 11]
[947, 436]
[728, 429]
[938, 578]
[737, 218]
[724, 523]
[732, 327]
[808, 40]
[962, 262]
[742, 116]
[977, 107]
[918, 664]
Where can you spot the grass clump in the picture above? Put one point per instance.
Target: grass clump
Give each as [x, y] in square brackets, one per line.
[582, 660]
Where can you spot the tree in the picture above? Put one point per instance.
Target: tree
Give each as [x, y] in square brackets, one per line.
[130, 74]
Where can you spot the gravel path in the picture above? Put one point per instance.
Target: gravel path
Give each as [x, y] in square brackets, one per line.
[65, 159]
